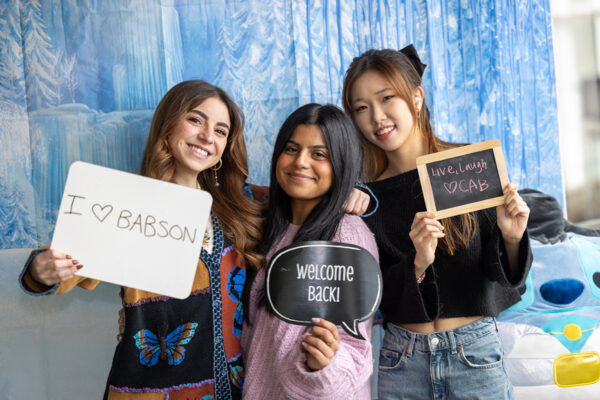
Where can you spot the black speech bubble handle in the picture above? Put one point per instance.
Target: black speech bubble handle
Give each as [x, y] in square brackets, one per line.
[352, 330]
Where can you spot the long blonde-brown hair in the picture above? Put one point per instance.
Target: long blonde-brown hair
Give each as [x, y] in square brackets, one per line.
[404, 80]
[239, 215]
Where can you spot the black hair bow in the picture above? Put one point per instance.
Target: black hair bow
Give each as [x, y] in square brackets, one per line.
[410, 52]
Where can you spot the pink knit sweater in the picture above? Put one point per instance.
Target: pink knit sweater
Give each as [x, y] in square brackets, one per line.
[274, 359]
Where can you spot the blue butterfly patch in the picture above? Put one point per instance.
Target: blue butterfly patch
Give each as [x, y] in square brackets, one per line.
[167, 348]
[235, 283]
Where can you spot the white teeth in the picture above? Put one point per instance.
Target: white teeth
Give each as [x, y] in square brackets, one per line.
[198, 151]
[384, 131]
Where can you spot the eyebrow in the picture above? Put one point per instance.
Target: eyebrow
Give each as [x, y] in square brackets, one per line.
[376, 93]
[319, 146]
[200, 113]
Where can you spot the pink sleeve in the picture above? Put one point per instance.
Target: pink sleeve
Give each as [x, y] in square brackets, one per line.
[353, 230]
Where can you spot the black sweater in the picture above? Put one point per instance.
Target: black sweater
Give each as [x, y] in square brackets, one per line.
[474, 281]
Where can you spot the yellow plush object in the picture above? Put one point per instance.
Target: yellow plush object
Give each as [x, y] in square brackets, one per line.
[576, 369]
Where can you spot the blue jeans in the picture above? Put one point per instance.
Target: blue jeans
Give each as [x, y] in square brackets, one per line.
[464, 363]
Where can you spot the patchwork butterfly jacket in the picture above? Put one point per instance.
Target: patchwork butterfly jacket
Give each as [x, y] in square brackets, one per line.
[176, 349]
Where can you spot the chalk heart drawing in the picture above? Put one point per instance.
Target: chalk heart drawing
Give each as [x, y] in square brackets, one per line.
[451, 187]
[101, 212]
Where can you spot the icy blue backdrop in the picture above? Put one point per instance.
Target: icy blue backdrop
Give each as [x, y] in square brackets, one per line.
[79, 80]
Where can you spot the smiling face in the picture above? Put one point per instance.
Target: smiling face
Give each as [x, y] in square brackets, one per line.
[199, 139]
[304, 170]
[383, 117]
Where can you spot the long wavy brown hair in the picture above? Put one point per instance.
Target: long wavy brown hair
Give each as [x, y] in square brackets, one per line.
[239, 216]
[404, 80]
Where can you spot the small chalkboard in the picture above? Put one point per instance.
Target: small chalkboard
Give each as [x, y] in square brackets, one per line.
[335, 281]
[463, 179]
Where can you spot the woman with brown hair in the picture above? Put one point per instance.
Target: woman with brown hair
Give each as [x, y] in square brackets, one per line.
[439, 301]
[187, 348]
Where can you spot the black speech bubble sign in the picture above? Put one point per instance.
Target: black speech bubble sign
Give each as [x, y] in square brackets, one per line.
[338, 282]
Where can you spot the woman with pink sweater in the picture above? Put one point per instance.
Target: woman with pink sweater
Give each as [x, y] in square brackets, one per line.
[313, 170]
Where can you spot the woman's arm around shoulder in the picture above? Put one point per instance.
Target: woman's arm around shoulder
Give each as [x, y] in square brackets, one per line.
[256, 192]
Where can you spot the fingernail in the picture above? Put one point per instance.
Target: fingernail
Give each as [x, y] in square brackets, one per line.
[69, 257]
[316, 320]
[79, 266]
[75, 262]
[304, 344]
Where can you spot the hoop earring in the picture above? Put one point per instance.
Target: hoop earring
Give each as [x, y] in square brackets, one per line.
[215, 169]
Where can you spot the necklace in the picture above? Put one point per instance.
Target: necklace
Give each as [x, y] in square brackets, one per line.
[207, 240]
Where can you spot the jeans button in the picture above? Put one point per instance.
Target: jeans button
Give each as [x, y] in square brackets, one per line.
[435, 341]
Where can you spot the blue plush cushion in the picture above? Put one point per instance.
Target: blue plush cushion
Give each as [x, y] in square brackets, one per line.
[561, 291]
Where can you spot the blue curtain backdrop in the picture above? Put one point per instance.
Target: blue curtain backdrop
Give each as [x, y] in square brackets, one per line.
[79, 80]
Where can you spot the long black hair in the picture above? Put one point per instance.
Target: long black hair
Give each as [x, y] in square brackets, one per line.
[345, 157]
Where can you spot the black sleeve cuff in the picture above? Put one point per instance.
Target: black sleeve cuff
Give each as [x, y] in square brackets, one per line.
[500, 270]
[26, 281]
[405, 300]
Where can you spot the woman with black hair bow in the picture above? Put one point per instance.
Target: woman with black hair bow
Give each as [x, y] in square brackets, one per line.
[444, 281]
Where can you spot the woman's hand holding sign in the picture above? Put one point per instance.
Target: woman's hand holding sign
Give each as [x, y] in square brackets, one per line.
[53, 266]
[424, 233]
[322, 344]
[512, 215]
[512, 222]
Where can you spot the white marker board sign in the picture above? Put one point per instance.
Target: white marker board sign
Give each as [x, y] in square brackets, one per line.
[132, 230]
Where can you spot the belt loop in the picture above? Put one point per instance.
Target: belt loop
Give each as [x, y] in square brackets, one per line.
[452, 342]
[411, 344]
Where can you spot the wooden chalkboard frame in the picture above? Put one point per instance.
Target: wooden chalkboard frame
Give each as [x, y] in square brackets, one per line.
[456, 152]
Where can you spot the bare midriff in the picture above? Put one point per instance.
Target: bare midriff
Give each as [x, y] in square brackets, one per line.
[440, 324]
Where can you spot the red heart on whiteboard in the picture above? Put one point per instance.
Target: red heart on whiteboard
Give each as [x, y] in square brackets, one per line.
[451, 187]
[101, 212]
